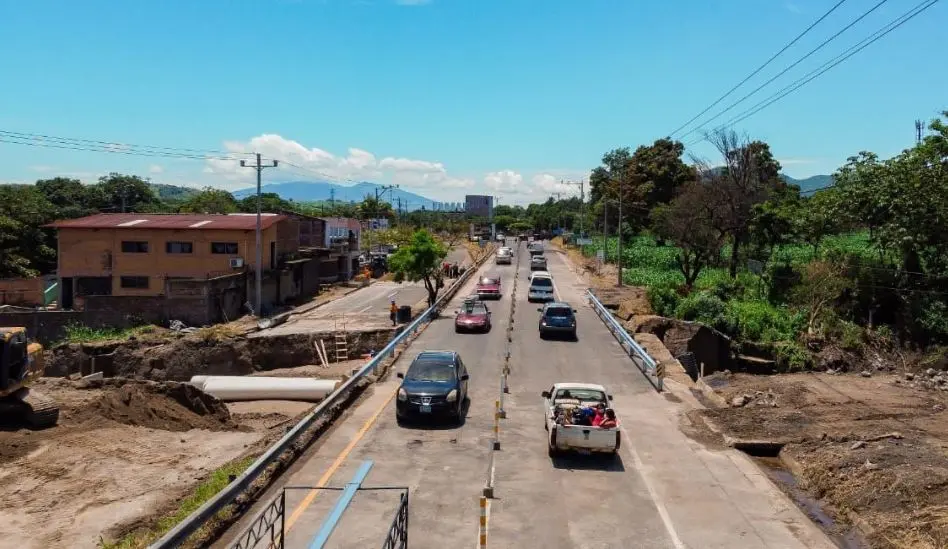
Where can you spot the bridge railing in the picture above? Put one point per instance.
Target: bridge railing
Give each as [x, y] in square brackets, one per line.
[646, 364]
[180, 532]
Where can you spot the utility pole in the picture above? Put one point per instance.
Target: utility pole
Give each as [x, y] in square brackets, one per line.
[605, 230]
[259, 166]
[619, 245]
[919, 128]
[379, 191]
[332, 199]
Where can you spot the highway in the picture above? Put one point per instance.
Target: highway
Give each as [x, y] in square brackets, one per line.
[665, 490]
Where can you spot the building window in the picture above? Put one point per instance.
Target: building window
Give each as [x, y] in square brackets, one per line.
[228, 248]
[134, 247]
[179, 247]
[134, 282]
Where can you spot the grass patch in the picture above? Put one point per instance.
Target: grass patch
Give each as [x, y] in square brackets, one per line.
[204, 491]
[80, 333]
[218, 333]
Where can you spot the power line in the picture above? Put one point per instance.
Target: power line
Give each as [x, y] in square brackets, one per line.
[760, 68]
[805, 79]
[784, 71]
[33, 142]
[109, 144]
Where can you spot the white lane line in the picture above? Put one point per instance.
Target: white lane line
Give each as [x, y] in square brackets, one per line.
[662, 512]
[364, 309]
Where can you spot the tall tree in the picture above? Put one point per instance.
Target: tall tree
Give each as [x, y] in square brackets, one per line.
[690, 222]
[660, 167]
[124, 193]
[420, 260]
[70, 197]
[375, 208]
[210, 201]
[748, 176]
[25, 249]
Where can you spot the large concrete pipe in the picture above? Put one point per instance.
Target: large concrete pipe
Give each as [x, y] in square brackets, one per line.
[234, 388]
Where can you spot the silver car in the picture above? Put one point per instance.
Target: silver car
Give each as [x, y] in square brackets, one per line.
[538, 263]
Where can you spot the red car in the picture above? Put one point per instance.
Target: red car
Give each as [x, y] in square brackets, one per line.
[488, 287]
[473, 317]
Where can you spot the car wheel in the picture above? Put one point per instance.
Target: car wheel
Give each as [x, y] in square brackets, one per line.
[457, 330]
[542, 334]
[459, 414]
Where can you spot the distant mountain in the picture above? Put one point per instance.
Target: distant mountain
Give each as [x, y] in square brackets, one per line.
[810, 184]
[315, 191]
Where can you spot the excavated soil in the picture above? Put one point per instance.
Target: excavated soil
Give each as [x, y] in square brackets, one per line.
[122, 449]
[166, 406]
[871, 447]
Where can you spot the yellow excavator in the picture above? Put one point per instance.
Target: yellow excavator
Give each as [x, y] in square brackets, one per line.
[21, 363]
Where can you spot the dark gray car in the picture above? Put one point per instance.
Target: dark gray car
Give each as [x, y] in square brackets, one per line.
[557, 318]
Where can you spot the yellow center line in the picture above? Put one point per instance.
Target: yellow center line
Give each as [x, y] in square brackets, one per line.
[311, 495]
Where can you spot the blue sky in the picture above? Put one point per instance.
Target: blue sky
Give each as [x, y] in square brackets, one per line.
[445, 97]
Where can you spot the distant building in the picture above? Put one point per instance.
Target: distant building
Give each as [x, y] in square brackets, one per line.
[479, 205]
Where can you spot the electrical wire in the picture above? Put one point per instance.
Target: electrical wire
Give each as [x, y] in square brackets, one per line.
[33, 142]
[111, 144]
[788, 68]
[812, 75]
[760, 68]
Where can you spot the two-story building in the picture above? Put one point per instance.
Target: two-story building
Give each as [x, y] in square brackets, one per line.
[135, 254]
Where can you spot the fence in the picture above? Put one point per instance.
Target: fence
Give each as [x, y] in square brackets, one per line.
[653, 371]
[177, 535]
[268, 528]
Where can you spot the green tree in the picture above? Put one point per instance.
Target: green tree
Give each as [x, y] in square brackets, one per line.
[210, 201]
[373, 208]
[70, 197]
[661, 169]
[420, 260]
[269, 202]
[25, 249]
[123, 193]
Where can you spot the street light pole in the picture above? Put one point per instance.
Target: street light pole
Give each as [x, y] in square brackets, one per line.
[619, 226]
[259, 166]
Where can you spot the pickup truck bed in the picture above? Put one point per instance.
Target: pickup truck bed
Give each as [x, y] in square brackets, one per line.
[584, 439]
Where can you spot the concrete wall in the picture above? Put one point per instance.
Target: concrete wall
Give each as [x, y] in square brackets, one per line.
[24, 292]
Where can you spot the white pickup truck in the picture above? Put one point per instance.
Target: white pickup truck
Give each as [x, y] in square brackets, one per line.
[558, 406]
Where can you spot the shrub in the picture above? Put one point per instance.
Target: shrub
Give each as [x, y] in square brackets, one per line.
[792, 356]
[664, 300]
[761, 321]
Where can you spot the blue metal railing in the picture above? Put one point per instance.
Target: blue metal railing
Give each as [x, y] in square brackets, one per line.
[177, 535]
[322, 536]
[640, 358]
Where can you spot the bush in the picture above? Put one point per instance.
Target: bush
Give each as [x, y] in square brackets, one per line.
[664, 300]
[703, 307]
[792, 356]
[761, 321]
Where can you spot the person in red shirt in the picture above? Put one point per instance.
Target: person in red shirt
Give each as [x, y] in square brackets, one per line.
[600, 415]
[609, 421]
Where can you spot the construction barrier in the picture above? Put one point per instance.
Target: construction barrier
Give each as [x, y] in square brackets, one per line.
[482, 525]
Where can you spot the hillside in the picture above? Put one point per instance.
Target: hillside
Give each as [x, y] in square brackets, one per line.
[172, 192]
[316, 191]
[810, 184]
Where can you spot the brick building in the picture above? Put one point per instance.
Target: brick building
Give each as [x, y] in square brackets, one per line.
[139, 254]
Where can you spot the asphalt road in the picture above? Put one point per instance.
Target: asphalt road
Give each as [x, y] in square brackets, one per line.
[665, 490]
[365, 308]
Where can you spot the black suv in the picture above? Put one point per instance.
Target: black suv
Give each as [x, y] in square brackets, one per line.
[435, 385]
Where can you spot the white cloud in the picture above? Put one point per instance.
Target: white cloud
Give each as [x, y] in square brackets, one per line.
[155, 169]
[795, 161]
[506, 182]
[546, 183]
[43, 169]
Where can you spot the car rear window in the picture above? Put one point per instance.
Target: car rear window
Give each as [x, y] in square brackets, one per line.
[488, 280]
[559, 312]
[542, 282]
[476, 308]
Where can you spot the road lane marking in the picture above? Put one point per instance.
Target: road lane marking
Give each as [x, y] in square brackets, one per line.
[364, 309]
[308, 500]
[662, 512]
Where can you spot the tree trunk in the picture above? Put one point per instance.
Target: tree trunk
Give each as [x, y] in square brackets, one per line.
[432, 291]
[735, 255]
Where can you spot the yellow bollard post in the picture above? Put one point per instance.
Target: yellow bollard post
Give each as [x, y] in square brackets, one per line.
[482, 526]
[496, 425]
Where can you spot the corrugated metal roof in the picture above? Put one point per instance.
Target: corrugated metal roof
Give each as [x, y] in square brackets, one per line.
[239, 222]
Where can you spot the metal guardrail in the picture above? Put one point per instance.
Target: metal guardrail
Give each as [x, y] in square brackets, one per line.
[177, 535]
[397, 537]
[640, 358]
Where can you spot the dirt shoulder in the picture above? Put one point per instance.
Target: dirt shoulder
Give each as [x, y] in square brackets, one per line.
[871, 449]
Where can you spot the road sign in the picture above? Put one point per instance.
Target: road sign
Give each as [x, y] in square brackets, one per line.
[601, 255]
[584, 241]
[660, 370]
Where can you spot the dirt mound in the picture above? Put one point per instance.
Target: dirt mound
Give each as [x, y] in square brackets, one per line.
[165, 406]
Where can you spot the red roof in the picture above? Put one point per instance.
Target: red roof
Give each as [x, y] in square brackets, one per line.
[233, 222]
